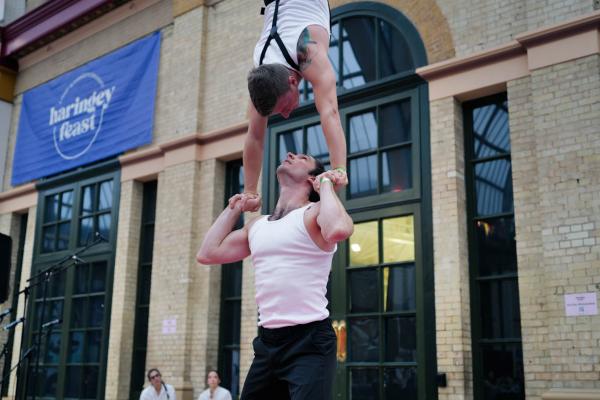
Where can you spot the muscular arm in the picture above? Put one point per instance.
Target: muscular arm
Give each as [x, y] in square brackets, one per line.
[221, 244]
[253, 149]
[315, 67]
[335, 223]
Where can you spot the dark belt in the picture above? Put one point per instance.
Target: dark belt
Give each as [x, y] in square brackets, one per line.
[286, 332]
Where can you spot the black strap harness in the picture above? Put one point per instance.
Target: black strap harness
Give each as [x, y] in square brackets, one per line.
[274, 35]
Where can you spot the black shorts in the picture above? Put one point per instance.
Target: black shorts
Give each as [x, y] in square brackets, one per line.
[295, 362]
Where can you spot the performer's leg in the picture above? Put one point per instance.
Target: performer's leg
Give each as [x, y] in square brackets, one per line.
[310, 366]
[260, 382]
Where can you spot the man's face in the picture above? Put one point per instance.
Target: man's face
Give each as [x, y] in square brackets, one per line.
[213, 380]
[289, 101]
[297, 165]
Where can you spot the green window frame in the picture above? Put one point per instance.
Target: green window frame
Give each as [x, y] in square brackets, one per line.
[73, 354]
[144, 283]
[495, 311]
[231, 296]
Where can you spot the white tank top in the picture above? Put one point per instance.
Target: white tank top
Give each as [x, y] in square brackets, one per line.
[291, 271]
[292, 18]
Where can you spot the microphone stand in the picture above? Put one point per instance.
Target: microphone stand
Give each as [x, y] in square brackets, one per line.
[43, 277]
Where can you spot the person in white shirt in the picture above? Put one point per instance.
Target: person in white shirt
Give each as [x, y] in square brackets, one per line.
[157, 390]
[214, 391]
[292, 250]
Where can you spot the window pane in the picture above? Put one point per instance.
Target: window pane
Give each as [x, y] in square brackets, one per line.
[395, 123]
[86, 229]
[491, 130]
[145, 283]
[66, 207]
[363, 176]
[98, 283]
[56, 286]
[87, 200]
[364, 383]
[104, 221]
[94, 342]
[500, 314]
[493, 187]
[394, 54]
[315, 143]
[503, 372]
[75, 354]
[54, 310]
[90, 382]
[81, 278]
[364, 244]
[397, 170]
[401, 339]
[46, 386]
[73, 382]
[334, 50]
[364, 339]
[290, 142]
[363, 132]
[231, 328]
[148, 244]
[52, 348]
[358, 36]
[496, 246]
[64, 230]
[78, 307]
[48, 236]
[51, 211]
[96, 311]
[398, 239]
[400, 383]
[106, 195]
[399, 288]
[363, 291]
[232, 277]
[231, 371]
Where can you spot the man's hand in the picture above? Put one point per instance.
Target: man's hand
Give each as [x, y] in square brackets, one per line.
[245, 202]
[321, 180]
[338, 178]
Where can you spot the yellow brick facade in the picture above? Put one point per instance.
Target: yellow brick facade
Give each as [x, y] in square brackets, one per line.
[205, 55]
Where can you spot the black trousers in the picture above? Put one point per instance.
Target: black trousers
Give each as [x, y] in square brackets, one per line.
[295, 362]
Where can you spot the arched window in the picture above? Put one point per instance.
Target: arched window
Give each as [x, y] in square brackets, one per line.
[381, 285]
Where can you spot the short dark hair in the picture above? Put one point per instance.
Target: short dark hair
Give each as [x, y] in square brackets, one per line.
[319, 168]
[266, 83]
[150, 372]
[215, 371]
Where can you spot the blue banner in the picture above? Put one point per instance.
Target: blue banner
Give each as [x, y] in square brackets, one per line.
[93, 112]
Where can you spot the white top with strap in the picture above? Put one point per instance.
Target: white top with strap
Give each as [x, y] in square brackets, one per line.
[291, 271]
[292, 18]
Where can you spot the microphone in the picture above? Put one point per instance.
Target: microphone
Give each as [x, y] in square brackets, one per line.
[13, 324]
[5, 313]
[51, 323]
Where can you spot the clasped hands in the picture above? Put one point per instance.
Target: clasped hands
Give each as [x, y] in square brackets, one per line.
[251, 202]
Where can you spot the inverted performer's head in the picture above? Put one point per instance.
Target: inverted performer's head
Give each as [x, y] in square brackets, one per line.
[273, 89]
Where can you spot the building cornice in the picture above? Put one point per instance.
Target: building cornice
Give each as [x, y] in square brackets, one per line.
[18, 199]
[488, 71]
[49, 21]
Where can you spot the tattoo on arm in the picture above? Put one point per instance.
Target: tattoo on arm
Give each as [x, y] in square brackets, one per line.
[304, 58]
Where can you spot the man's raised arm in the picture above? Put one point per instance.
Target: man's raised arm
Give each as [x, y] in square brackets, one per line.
[333, 219]
[253, 156]
[222, 244]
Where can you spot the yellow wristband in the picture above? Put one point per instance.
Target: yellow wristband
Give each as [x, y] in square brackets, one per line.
[342, 169]
[325, 179]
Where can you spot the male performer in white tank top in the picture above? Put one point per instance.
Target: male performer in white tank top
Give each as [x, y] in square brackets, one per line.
[299, 50]
[292, 249]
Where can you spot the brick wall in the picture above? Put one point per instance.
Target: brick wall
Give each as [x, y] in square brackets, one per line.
[554, 122]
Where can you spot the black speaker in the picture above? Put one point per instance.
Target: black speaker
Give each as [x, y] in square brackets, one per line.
[5, 252]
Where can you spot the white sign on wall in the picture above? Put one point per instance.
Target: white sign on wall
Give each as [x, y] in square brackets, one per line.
[169, 326]
[581, 304]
